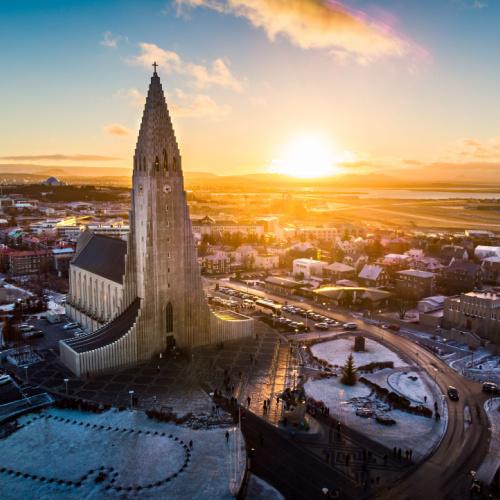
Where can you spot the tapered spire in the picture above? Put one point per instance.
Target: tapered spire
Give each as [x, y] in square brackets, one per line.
[156, 134]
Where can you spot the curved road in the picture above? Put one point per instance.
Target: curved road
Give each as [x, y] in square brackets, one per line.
[444, 474]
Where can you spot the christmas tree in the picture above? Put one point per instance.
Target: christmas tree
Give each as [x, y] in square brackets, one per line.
[349, 372]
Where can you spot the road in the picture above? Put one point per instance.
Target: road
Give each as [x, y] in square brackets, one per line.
[444, 474]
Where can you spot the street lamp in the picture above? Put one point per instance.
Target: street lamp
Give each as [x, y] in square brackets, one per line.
[131, 394]
[66, 380]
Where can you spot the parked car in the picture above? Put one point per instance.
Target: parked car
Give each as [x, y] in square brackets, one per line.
[490, 387]
[70, 326]
[350, 326]
[322, 326]
[453, 393]
[26, 328]
[33, 334]
[5, 379]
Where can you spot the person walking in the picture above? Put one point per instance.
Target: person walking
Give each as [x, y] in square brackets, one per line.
[227, 437]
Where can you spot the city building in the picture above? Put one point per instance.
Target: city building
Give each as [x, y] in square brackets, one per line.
[28, 261]
[373, 275]
[460, 276]
[307, 268]
[215, 264]
[266, 261]
[414, 284]
[147, 290]
[339, 271]
[282, 286]
[62, 258]
[490, 268]
[477, 312]
[483, 251]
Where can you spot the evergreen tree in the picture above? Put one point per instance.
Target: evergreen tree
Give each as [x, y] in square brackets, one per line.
[349, 372]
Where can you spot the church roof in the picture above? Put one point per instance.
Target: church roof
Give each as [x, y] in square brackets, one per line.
[109, 333]
[104, 256]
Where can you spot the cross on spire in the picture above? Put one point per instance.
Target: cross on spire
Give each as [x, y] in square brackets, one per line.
[154, 66]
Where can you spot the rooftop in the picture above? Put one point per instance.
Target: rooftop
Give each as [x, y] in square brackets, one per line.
[416, 273]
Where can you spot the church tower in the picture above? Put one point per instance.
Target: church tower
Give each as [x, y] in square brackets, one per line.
[145, 295]
[164, 267]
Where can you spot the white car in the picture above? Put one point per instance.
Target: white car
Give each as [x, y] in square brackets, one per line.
[350, 326]
[5, 379]
[322, 326]
[70, 326]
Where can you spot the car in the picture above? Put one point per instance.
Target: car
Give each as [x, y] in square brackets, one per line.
[322, 326]
[70, 326]
[5, 379]
[26, 328]
[33, 334]
[453, 393]
[490, 387]
[350, 326]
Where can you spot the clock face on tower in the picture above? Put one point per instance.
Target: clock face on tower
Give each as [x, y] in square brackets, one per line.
[167, 188]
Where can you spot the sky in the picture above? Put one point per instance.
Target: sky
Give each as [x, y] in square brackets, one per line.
[255, 85]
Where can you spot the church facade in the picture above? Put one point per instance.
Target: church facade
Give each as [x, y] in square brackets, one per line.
[139, 297]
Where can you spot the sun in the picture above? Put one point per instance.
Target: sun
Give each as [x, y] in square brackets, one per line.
[308, 156]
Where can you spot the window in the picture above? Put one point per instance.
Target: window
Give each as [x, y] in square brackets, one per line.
[157, 164]
[169, 318]
[165, 161]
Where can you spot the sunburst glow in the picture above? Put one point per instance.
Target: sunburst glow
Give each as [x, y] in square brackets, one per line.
[308, 156]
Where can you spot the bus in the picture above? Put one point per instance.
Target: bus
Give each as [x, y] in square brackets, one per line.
[267, 304]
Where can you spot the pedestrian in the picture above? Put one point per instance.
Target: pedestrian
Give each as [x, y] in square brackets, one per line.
[425, 399]
[248, 401]
[191, 445]
[227, 436]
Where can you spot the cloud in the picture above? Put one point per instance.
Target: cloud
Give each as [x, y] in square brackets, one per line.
[471, 4]
[117, 129]
[133, 96]
[109, 40]
[59, 157]
[469, 149]
[183, 105]
[217, 74]
[319, 24]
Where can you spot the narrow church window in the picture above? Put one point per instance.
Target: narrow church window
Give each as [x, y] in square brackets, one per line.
[165, 161]
[169, 318]
[143, 163]
[174, 166]
[157, 164]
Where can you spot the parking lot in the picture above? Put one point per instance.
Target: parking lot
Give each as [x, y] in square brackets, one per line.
[52, 333]
[287, 318]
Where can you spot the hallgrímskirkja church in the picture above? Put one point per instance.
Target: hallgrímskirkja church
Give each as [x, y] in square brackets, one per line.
[137, 298]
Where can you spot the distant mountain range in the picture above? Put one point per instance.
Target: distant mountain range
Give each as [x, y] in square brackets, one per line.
[421, 175]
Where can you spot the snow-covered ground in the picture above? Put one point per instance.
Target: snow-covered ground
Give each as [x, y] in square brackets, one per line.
[488, 468]
[421, 434]
[337, 351]
[258, 489]
[153, 459]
